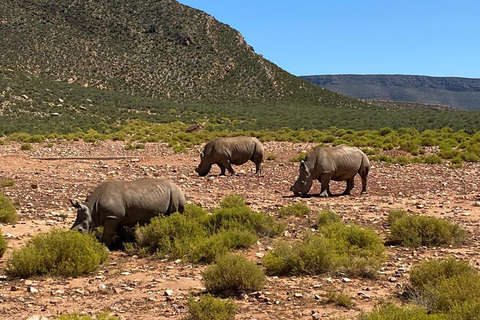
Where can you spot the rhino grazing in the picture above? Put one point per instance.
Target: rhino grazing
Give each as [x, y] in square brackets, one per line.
[227, 151]
[340, 163]
[116, 204]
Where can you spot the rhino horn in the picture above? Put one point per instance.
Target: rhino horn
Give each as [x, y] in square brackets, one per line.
[75, 204]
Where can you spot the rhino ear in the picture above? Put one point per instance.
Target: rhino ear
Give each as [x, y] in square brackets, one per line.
[75, 204]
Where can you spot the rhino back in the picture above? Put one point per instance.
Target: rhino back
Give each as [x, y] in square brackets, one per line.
[237, 149]
[342, 161]
[135, 201]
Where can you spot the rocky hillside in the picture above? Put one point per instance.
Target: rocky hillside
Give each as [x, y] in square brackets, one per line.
[463, 93]
[152, 48]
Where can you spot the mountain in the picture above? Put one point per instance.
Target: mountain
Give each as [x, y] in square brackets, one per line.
[153, 48]
[463, 93]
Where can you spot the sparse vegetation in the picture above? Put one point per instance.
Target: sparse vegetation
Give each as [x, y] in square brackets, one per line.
[233, 274]
[202, 238]
[211, 308]
[7, 183]
[339, 299]
[413, 230]
[65, 253]
[296, 209]
[3, 245]
[105, 315]
[337, 248]
[8, 213]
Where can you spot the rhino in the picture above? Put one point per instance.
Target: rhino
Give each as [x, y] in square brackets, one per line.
[340, 163]
[116, 204]
[227, 151]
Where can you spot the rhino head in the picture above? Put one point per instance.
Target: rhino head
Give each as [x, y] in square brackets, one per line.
[304, 181]
[204, 167]
[83, 222]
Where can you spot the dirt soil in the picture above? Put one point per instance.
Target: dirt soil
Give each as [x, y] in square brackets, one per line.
[138, 288]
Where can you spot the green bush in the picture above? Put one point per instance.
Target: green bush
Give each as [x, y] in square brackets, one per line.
[26, 146]
[202, 238]
[7, 183]
[314, 255]
[468, 310]
[209, 249]
[232, 274]
[432, 272]
[271, 157]
[415, 230]
[445, 285]
[338, 248]
[339, 299]
[169, 237]
[360, 251]
[327, 216]
[299, 157]
[432, 159]
[66, 253]
[391, 312]
[232, 201]
[105, 315]
[8, 213]
[3, 245]
[243, 218]
[211, 308]
[296, 209]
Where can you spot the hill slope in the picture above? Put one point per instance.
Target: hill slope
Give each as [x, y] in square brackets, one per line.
[463, 93]
[154, 48]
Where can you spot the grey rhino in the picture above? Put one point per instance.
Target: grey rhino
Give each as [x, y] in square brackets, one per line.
[227, 151]
[115, 204]
[340, 163]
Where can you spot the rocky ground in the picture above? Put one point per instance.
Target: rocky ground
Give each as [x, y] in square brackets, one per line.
[137, 288]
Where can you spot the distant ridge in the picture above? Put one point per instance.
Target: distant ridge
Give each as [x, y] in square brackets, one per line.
[462, 93]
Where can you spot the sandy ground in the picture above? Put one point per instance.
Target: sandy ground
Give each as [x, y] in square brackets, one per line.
[136, 288]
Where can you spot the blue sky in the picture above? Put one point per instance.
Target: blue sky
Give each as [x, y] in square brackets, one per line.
[422, 37]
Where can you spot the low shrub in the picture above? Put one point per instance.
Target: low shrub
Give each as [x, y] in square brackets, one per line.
[298, 157]
[390, 311]
[65, 253]
[232, 201]
[26, 146]
[3, 245]
[105, 315]
[339, 299]
[296, 209]
[337, 248]
[432, 159]
[243, 218]
[8, 213]
[415, 230]
[432, 272]
[314, 255]
[233, 274]
[327, 216]
[7, 183]
[211, 308]
[468, 310]
[445, 285]
[169, 237]
[271, 157]
[201, 237]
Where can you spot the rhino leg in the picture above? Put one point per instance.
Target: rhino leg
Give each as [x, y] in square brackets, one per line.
[258, 168]
[110, 226]
[325, 183]
[228, 166]
[222, 169]
[350, 185]
[364, 184]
